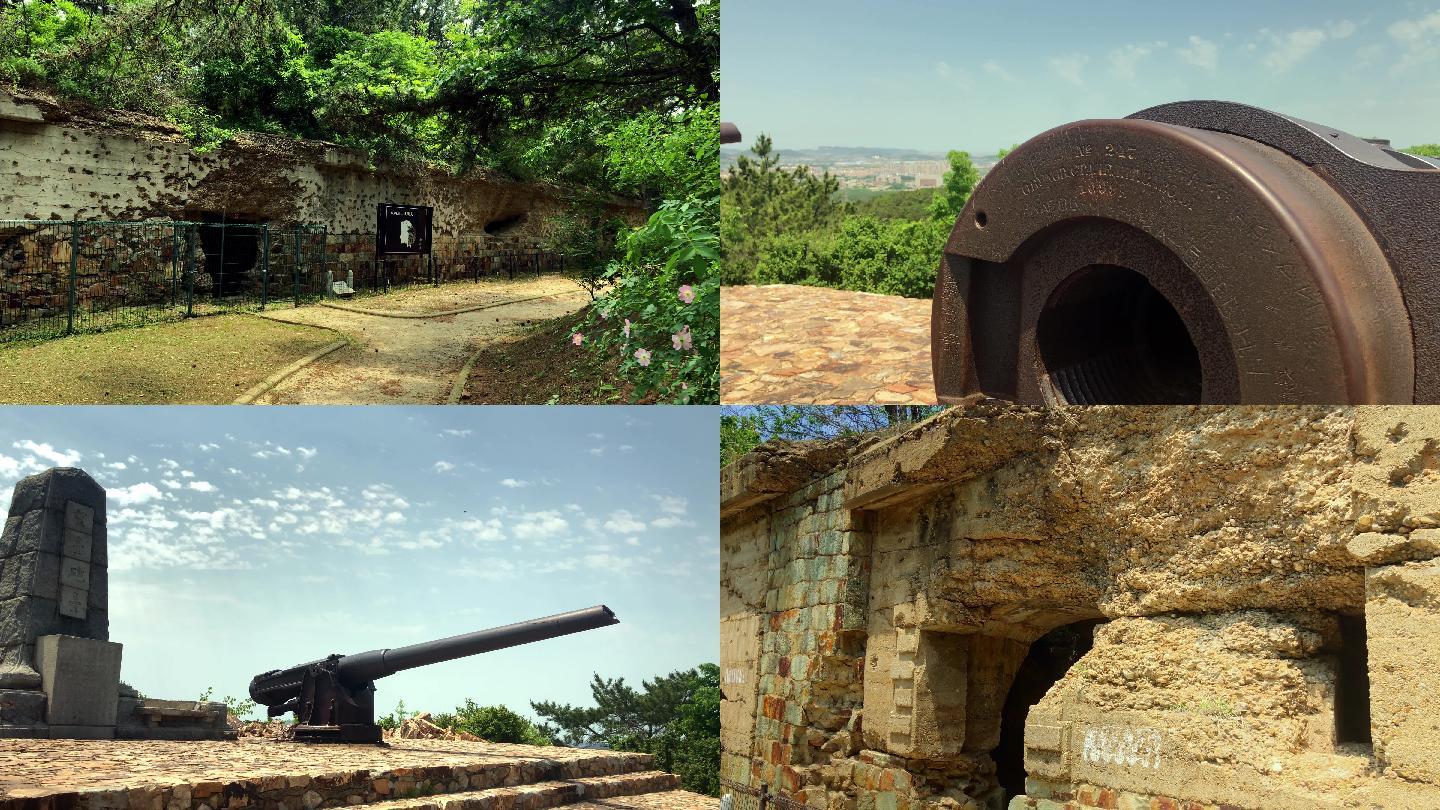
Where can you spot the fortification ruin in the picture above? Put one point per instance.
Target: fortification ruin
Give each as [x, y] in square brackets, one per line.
[1089, 608]
[299, 208]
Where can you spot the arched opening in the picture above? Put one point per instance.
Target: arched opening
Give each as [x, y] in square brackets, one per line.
[1106, 336]
[503, 225]
[1047, 661]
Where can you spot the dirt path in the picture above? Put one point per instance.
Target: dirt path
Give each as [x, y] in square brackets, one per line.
[410, 360]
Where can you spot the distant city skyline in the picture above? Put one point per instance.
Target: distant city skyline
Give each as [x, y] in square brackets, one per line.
[243, 540]
[980, 77]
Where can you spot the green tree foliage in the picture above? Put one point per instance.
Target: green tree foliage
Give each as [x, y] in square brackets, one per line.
[955, 189]
[666, 156]
[742, 429]
[912, 205]
[1425, 149]
[760, 200]
[676, 717]
[554, 89]
[492, 723]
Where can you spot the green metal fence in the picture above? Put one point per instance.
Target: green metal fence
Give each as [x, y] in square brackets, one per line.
[58, 278]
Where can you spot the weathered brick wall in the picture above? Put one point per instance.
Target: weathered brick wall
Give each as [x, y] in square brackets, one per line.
[1230, 568]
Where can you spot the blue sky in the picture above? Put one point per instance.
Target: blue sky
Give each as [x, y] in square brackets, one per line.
[247, 539]
[977, 76]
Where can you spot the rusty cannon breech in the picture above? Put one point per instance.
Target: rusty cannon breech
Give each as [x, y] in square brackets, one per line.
[334, 698]
[1195, 252]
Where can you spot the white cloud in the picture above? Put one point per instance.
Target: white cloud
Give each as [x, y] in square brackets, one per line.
[670, 522]
[1419, 37]
[1201, 53]
[627, 448]
[201, 486]
[632, 541]
[307, 453]
[55, 458]
[116, 465]
[134, 494]
[208, 447]
[514, 483]
[539, 525]
[609, 563]
[443, 466]
[9, 467]
[622, 522]
[456, 433]
[672, 504]
[1124, 60]
[1069, 67]
[170, 483]
[995, 69]
[1288, 49]
[597, 451]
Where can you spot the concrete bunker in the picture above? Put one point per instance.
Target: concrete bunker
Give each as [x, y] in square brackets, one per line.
[1022, 608]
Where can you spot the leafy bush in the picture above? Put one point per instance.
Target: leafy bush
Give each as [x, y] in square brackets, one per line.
[676, 717]
[395, 718]
[587, 241]
[666, 157]
[662, 318]
[492, 723]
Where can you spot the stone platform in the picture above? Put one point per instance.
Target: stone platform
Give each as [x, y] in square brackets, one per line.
[792, 345]
[260, 773]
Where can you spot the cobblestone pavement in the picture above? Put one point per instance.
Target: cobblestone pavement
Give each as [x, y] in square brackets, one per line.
[166, 775]
[786, 344]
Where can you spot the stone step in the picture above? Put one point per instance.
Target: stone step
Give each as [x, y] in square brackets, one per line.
[536, 796]
[256, 773]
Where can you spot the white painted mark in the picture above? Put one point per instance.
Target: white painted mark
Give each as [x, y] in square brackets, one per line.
[733, 675]
[1117, 745]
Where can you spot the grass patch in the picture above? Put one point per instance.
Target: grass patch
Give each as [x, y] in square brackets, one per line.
[197, 361]
[542, 367]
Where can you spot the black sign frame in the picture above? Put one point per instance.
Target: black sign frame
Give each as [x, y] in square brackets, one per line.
[389, 229]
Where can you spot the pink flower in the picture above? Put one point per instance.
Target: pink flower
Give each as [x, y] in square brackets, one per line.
[642, 356]
[577, 338]
[681, 340]
[686, 293]
[627, 328]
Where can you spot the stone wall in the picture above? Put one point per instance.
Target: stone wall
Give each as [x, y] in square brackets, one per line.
[1106, 607]
[64, 163]
[61, 163]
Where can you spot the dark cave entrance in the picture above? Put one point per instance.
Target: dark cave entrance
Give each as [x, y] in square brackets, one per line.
[230, 245]
[1047, 661]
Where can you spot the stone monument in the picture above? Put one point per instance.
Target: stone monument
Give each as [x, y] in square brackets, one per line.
[59, 671]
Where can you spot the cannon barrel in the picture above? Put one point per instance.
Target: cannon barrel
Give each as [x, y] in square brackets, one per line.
[357, 669]
[1200, 252]
[279, 687]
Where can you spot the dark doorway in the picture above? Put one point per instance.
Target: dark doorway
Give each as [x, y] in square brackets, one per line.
[231, 246]
[1352, 684]
[1049, 658]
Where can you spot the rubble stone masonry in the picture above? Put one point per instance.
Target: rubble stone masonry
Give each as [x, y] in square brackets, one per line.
[1089, 608]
